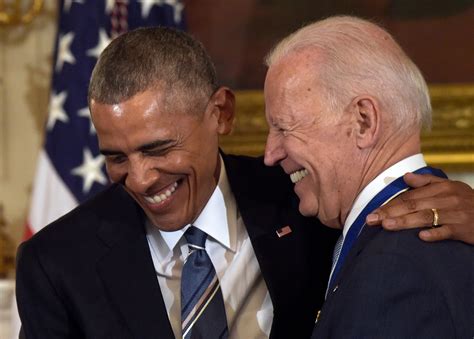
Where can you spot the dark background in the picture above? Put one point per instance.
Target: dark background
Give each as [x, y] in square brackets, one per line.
[438, 35]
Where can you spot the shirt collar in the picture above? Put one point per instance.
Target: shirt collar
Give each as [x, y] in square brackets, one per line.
[218, 219]
[395, 171]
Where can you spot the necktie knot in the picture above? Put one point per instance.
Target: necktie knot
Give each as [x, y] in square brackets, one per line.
[195, 237]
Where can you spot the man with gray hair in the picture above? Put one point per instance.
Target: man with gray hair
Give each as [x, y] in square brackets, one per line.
[345, 107]
[187, 241]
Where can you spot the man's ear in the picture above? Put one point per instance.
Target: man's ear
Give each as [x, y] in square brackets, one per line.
[223, 102]
[367, 120]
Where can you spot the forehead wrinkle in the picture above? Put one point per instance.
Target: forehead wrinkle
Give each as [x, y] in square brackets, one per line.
[294, 85]
[299, 91]
[298, 112]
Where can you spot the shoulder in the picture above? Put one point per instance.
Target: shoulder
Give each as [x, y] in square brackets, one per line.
[250, 177]
[254, 165]
[407, 243]
[422, 282]
[444, 266]
[82, 222]
[265, 191]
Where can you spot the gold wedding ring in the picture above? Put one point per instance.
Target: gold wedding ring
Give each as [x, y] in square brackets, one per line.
[435, 217]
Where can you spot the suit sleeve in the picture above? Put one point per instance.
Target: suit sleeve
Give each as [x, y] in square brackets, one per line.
[41, 310]
[392, 296]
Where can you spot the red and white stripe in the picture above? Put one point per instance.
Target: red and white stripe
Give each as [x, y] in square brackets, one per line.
[50, 197]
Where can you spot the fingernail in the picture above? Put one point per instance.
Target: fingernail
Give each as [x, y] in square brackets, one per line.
[389, 223]
[425, 234]
[373, 217]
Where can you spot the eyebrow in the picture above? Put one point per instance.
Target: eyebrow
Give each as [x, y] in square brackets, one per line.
[143, 148]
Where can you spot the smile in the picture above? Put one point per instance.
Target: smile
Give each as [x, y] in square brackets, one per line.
[160, 197]
[298, 175]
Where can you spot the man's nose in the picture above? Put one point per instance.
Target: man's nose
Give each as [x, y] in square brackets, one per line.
[274, 151]
[141, 176]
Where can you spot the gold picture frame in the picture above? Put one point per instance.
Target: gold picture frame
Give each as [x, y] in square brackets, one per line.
[449, 145]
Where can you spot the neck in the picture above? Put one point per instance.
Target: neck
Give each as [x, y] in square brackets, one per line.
[378, 159]
[388, 154]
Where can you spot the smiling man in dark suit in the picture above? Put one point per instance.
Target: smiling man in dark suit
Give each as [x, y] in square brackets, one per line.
[117, 266]
[345, 107]
[112, 268]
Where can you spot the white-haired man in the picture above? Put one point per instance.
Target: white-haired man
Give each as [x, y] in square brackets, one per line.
[345, 107]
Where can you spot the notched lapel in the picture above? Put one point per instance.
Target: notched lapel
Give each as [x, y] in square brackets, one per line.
[128, 274]
[367, 234]
[130, 281]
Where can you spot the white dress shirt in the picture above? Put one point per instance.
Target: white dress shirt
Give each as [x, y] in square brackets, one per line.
[248, 306]
[385, 178]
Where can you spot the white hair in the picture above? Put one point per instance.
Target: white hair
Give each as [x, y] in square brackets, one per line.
[360, 57]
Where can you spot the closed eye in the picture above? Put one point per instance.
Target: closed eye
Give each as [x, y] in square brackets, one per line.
[157, 148]
[157, 152]
[281, 131]
[116, 159]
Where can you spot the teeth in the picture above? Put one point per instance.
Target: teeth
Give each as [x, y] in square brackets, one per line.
[156, 199]
[298, 175]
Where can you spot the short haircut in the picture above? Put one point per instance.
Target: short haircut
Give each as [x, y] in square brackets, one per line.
[146, 58]
[359, 57]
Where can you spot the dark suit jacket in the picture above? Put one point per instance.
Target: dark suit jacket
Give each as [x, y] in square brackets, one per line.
[393, 285]
[90, 273]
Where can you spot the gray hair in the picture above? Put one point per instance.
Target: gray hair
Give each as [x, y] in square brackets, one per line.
[145, 58]
[360, 57]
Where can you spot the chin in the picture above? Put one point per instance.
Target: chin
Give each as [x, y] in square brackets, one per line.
[308, 212]
[330, 222]
[166, 226]
[171, 228]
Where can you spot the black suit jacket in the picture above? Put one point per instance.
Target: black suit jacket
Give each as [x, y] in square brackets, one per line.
[393, 285]
[90, 273]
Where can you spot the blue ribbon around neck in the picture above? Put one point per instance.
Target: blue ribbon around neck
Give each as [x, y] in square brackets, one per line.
[394, 188]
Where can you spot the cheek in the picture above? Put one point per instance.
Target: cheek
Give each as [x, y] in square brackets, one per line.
[322, 177]
[204, 169]
[116, 172]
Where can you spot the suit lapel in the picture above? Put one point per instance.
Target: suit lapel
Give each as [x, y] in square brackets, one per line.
[262, 224]
[128, 274]
[329, 312]
[367, 234]
[263, 215]
[260, 216]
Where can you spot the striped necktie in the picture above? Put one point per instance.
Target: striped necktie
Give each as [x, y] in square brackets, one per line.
[202, 306]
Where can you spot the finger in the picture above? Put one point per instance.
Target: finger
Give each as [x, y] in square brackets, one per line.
[449, 231]
[425, 218]
[412, 220]
[437, 187]
[408, 206]
[433, 189]
[419, 180]
[436, 234]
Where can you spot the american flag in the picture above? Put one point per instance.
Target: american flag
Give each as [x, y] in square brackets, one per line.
[70, 168]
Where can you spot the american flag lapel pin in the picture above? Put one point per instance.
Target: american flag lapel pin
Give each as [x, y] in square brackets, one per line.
[283, 231]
